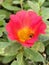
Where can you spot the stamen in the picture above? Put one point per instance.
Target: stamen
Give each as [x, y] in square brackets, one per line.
[25, 34]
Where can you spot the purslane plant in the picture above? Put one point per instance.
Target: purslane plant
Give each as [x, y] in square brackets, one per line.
[24, 32]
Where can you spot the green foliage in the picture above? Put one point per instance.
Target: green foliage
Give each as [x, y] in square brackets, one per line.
[7, 59]
[47, 50]
[9, 7]
[16, 2]
[2, 29]
[4, 13]
[41, 2]
[12, 49]
[14, 62]
[9, 49]
[33, 55]
[19, 60]
[34, 6]
[39, 46]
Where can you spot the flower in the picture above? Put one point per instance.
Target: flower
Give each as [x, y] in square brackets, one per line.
[25, 27]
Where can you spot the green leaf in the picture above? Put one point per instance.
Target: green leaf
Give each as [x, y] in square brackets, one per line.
[34, 6]
[3, 45]
[14, 62]
[8, 1]
[25, 5]
[33, 55]
[41, 2]
[4, 12]
[2, 22]
[7, 59]
[1, 33]
[46, 3]
[9, 49]
[2, 29]
[10, 7]
[48, 60]
[47, 50]
[2, 17]
[1, 58]
[16, 2]
[12, 49]
[19, 60]
[38, 46]
[4, 38]
[46, 43]
[45, 13]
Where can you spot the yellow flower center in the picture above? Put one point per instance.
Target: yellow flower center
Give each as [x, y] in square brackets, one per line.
[25, 34]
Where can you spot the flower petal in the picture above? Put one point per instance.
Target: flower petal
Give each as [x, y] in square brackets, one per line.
[42, 28]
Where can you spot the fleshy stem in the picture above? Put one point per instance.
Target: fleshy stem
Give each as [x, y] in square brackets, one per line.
[40, 10]
[21, 3]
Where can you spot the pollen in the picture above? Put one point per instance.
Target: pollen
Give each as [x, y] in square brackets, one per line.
[25, 34]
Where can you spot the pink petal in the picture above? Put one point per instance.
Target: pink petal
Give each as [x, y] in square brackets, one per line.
[11, 36]
[42, 28]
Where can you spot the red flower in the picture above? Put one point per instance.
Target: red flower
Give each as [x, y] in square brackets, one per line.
[25, 27]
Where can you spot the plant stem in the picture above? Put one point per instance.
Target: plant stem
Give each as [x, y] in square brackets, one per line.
[21, 2]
